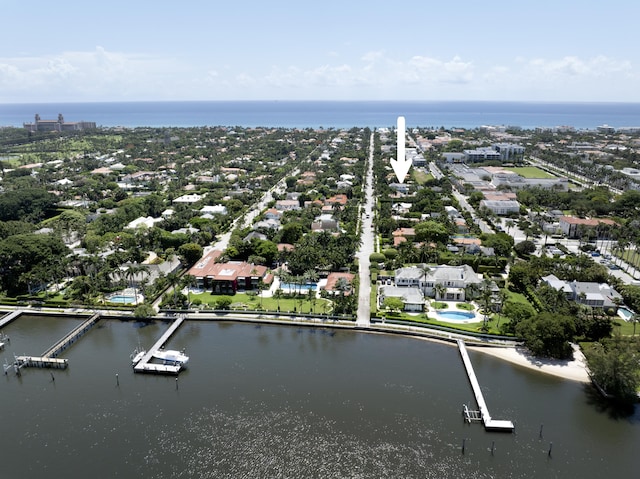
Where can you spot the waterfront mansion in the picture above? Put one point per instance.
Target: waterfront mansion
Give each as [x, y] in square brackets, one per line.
[442, 282]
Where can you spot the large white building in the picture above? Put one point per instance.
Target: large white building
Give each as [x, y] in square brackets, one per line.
[452, 280]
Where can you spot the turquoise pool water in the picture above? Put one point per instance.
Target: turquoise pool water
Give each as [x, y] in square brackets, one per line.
[299, 287]
[625, 313]
[455, 315]
[122, 299]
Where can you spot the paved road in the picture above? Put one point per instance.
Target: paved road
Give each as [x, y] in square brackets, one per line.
[366, 248]
[484, 227]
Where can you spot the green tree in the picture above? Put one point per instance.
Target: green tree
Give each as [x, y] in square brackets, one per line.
[393, 304]
[525, 248]
[548, 334]
[190, 253]
[223, 302]
[144, 311]
[516, 312]
[614, 366]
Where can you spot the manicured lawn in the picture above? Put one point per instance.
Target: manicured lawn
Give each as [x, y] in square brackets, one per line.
[517, 298]
[530, 172]
[625, 328]
[373, 298]
[245, 301]
[465, 306]
[420, 176]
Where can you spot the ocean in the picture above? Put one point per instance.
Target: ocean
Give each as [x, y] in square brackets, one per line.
[331, 114]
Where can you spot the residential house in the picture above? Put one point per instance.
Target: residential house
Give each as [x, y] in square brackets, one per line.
[573, 227]
[412, 297]
[332, 281]
[230, 277]
[324, 223]
[596, 295]
[214, 210]
[287, 205]
[442, 282]
[191, 198]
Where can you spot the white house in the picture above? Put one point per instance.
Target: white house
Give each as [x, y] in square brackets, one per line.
[596, 295]
[192, 198]
[214, 210]
[501, 207]
[412, 297]
[442, 281]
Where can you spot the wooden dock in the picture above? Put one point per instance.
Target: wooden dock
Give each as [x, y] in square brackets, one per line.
[10, 317]
[145, 366]
[72, 337]
[483, 412]
[49, 358]
[41, 362]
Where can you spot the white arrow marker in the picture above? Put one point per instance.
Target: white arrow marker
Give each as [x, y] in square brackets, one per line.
[401, 165]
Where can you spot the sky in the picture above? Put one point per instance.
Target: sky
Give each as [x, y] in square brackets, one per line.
[492, 50]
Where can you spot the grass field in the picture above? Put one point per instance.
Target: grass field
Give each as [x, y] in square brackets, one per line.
[420, 176]
[530, 172]
[241, 301]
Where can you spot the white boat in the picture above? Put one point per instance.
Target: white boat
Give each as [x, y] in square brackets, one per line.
[136, 356]
[171, 357]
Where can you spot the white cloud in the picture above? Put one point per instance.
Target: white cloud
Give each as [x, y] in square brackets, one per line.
[79, 75]
[101, 74]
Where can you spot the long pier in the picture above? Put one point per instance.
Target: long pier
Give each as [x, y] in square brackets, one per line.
[145, 366]
[10, 317]
[483, 413]
[71, 338]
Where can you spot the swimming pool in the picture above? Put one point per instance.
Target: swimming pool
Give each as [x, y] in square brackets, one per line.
[455, 315]
[122, 299]
[298, 287]
[625, 313]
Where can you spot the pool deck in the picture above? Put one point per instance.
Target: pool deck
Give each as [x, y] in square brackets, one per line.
[452, 307]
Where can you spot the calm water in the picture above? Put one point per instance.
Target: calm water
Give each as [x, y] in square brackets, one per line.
[293, 402]
[337, 114]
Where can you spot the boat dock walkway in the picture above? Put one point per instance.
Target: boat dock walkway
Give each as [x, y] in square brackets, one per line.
[10, 317]
[71, 338]
[144, 366]
[41, 362]
[483, 413]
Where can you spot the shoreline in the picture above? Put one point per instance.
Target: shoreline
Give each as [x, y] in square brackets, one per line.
[573, 370]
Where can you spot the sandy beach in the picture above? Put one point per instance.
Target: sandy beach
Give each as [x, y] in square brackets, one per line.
[575, 369]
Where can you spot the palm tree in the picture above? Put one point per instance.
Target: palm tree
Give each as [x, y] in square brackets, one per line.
[440, 290]
[487, 293]
[635, 318]
[188, 280]
[277, 294]
[424, 269]
[502, 298]
[173, 279]
[261, 288]
[132, 273]
[471, 290]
